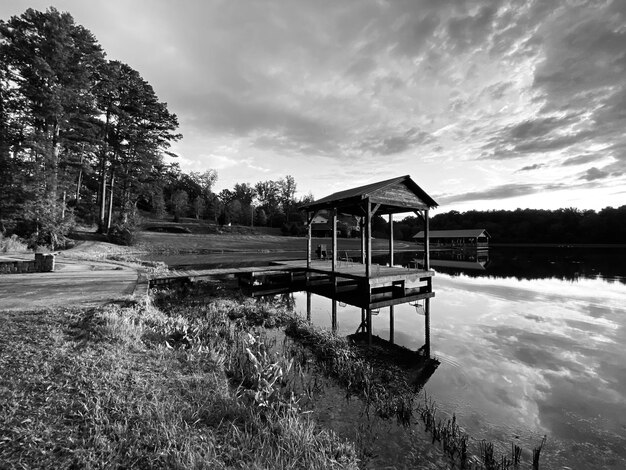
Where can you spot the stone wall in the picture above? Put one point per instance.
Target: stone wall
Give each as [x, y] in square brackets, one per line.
[43, 263]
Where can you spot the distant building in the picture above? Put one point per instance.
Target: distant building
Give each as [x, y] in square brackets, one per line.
[478, 238]
[321, 225]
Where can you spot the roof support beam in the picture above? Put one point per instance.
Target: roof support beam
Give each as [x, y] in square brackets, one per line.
[311, 216]
[376, 207]
[419, 215]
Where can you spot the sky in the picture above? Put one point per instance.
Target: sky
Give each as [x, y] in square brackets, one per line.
[486, 104]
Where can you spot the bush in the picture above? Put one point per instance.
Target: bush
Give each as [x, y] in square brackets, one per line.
[12, 244]
[294, 229]
[122, 234]
[45, 223]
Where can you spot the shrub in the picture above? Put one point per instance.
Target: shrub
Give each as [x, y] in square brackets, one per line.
[12, 244]
[123, 234]
[46, 223]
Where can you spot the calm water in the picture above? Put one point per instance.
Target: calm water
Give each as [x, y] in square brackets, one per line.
[531, 342]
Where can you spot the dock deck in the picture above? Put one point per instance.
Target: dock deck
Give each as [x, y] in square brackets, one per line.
[188, 274]
[380, 275]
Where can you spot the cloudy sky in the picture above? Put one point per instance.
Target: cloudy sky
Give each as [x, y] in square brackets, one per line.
[486, 104]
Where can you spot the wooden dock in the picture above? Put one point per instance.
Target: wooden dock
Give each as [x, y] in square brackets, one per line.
[190, 274]
[380, 275]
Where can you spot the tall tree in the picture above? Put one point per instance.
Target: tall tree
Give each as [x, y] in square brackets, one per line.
[267, 193]
[48, 69]
[287, 193]
[52, 63]
[137, 130]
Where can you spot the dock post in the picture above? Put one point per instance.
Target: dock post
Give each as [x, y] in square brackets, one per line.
[362, 327]
[362, 232]
[368, 241]
[334, 317]
[308, 306]
[308, 244]
[391, 325]
[334, 240]
[391, 240]
[369, 326]
[427, 325]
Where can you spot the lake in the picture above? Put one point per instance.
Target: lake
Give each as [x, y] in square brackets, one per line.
[531, 343]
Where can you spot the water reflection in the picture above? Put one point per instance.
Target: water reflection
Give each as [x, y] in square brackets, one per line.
[520, 356]
[355, 309]
[565, 263]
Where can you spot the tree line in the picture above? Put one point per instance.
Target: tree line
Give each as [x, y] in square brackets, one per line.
[85, 137]
[270, 203]
[569, 226]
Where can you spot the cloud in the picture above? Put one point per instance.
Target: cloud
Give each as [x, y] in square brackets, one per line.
[536, 166]
[537, 135]
[389, 143]
[594, 173]
[220, 162]
[580, 160]
[470, 30]
[497, 192]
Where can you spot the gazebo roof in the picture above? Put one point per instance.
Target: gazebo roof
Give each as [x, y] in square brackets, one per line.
[395, 195]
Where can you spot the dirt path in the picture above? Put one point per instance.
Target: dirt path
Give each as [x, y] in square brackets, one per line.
[73, 283]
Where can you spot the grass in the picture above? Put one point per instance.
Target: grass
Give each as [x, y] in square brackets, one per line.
[192, 382]
[123, 386]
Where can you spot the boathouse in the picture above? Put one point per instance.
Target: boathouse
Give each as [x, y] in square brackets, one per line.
[474, 238]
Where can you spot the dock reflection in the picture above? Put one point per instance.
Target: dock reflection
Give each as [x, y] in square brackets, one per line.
[418, 364]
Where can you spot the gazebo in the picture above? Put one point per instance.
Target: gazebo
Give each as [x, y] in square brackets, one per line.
[389, 197]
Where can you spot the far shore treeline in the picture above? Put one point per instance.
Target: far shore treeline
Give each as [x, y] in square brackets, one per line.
[562, 226]
[83, 139]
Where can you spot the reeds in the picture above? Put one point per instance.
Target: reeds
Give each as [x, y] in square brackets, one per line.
[386, 394]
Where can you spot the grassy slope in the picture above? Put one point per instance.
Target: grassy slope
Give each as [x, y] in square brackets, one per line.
[101, 389]
[155, 241]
